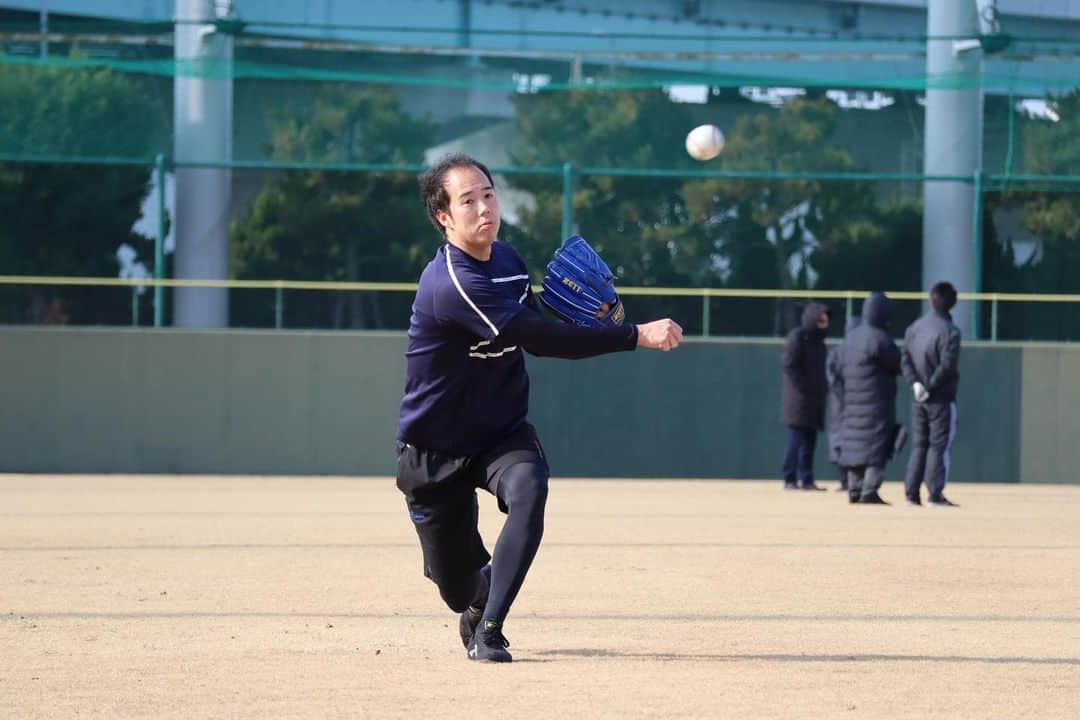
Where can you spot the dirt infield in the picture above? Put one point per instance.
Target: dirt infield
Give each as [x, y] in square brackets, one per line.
[241, 597]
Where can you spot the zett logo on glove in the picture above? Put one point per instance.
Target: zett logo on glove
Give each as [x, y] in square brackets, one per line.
[579, 288]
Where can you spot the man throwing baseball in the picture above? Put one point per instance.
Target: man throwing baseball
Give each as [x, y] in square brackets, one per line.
[463, 423]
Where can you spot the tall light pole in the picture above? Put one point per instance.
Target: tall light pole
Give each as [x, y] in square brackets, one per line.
[203, 103]
[953, 146]
[43, 25]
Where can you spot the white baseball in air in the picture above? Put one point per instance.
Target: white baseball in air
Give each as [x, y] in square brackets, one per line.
[704, 142]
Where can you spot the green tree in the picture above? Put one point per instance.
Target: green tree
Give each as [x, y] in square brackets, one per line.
[767, 229]
[1054, 149]
[880, 250]
[336, 226]
[627, 219]
[67, 219]
[708, 232]
[1052, 213]
[641, 225]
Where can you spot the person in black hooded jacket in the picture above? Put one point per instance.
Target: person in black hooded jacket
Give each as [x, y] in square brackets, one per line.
[836, 402]
[803, 397]
[869, 366]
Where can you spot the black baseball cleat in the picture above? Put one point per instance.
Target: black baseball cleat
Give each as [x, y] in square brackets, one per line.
[790, 486]
[913, 500]
[853, 497]
[872, 499]
[468, 622]
[488, 644]
[942, 501]
[811, 486]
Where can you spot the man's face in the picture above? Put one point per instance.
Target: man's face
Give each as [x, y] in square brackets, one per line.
[472, 218]
[823, 321]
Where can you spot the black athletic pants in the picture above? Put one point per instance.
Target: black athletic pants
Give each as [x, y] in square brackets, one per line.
[440, 492]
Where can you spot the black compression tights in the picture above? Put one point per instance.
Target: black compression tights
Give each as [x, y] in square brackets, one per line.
[523, 489]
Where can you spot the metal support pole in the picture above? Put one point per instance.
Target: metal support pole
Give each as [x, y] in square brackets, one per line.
[567, 200]
[202, 154]
[952, 146]
[43, 25]
[976, 249]
[705, 313]
[994, 318]
[464, 23]
[279, 306]
[159, 241]
[134, 306]
[849, 302]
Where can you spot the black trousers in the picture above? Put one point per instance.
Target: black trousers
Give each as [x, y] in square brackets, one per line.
[933, 429]
[440, 493]
[799, 456]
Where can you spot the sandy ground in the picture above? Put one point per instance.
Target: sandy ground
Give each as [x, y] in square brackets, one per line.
[241, 597]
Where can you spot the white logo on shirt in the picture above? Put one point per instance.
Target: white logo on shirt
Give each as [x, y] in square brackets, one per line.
[473, 351]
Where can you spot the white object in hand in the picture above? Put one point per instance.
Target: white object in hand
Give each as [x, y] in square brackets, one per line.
[920, 392]
[704, 142]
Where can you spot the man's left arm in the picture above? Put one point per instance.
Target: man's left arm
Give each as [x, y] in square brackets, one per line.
[549, 338]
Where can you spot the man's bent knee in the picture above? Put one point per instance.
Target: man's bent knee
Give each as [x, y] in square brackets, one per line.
[458, 594]
[524, 486]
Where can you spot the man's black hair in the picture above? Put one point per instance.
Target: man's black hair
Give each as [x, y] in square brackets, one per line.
[943, 297]
[433, 185]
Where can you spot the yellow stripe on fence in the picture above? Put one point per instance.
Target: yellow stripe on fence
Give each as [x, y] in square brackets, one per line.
[410, 287]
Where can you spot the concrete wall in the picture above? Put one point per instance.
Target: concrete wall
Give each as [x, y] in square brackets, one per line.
[174, 401]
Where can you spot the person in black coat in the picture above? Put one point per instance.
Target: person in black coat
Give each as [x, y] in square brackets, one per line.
[836, 402]
[803, 397]
[869, 366]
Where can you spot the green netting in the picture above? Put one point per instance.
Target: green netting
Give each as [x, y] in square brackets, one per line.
[720, 233]
[824, 150]
[781, 68]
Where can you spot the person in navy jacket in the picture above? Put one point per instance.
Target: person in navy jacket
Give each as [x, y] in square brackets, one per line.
[463, 423]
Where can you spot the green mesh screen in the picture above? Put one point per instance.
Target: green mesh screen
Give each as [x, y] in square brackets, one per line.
[818, 186]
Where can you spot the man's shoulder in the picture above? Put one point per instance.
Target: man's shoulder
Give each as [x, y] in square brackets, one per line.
[921, 321]
[505, 248]
[504, 255]
[435, 271]
[447, 277]
[943, 323]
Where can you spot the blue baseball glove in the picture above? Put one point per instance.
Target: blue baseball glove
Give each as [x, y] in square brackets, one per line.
[578, 284]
